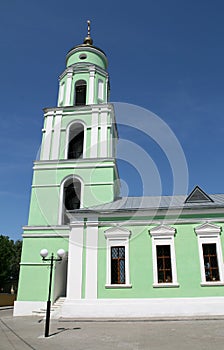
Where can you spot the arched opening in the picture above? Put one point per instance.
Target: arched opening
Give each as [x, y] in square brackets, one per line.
[76, 138]
[80, 93]
[71, 198]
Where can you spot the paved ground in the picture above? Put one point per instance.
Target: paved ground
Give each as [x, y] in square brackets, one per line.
[24, 333]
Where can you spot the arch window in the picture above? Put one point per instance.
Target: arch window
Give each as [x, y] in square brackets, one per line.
[76, 138]
[71, 198]
[80, 93]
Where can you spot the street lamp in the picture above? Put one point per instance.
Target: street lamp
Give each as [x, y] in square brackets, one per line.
[52, 259]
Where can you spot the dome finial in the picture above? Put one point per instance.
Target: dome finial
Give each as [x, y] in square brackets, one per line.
[88, 40]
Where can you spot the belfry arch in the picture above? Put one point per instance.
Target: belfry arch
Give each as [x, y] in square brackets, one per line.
[80, 93]
[75, 141]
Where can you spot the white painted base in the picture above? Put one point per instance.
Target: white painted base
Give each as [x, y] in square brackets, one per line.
[135, 308]
[25, 308]
[129, 308]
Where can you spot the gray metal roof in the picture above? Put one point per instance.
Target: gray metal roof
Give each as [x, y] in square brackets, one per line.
[151, 202]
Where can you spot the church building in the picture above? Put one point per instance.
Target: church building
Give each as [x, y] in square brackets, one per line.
[125, 256]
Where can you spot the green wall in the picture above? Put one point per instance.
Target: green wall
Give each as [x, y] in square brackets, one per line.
[141, 266]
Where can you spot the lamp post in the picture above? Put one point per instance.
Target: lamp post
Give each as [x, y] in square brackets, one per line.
[52, 259]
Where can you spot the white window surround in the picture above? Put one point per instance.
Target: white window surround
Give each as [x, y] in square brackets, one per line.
[208, 233]
[117, 237]
[61, 93]
[70, 125]
[100, 90]
[163, 235]
[61, 198]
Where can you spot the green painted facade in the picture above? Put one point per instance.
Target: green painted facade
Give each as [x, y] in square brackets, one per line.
[97, 172]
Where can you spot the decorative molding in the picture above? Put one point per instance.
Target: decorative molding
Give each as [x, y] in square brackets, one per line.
[209, 233]
[207, 229]
[162, 230]
[116, 237]
[45, 235]
[53, 227]
[163, 235]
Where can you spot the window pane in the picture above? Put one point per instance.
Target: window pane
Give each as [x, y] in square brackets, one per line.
[117, 265]
[80, 93]
[122, 271]
[75, 149]
[210, 262]
[164, 264]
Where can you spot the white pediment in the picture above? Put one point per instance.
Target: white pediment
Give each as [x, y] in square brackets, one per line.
[207, 228]
[162, 230]
[116, 232]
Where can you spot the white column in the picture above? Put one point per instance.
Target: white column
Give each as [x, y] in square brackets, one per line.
[91, 259]
[103, 134]
[91, 84]
[56, 136]
[68, 88]
[61, 93]
[106, 90]
[74, 279]
[94, 133]
[47, 137]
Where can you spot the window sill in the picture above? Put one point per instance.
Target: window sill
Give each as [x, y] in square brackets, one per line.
[115, 286]
[164, 285]
[212, 284]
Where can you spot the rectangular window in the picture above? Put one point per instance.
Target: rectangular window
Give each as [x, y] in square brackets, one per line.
[164, 268]
[210, 262]
[118, 265]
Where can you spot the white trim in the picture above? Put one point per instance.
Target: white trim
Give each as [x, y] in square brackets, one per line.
[100, 90]
[61, 199]
[61, 92]
[91, 84]
[116, 237]
[103, 135]
[208, 233]
[75, 253]
[96, 163]
[47, 138]
[115, 286]
[44, 235]
[47, 185]
[34, 264]
[56, 136]
[53, 227]
[94, 134]
[138, 308]
[26, 308]
[91, 259]
[163, 235]
[68, 87]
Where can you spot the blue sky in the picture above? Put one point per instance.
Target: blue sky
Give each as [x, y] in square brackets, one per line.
[165, 56]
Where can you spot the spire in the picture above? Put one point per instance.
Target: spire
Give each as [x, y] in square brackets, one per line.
[88, 40]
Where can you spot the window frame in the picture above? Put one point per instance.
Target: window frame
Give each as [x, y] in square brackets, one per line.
[118, 260]
[208, 233]
[116, 237]
[163, 235]
[69, 128]
[81, 83]
[69, 178]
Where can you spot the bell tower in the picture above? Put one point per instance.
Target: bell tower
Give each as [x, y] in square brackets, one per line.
[77, 166]
[76, 169]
